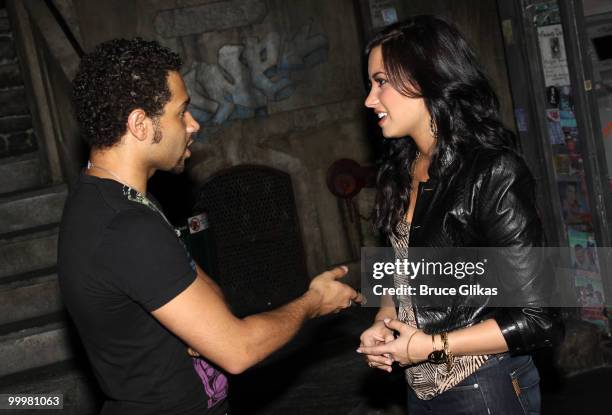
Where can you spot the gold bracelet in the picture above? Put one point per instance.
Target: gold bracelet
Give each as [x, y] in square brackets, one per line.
[449, 355]
[410, 362]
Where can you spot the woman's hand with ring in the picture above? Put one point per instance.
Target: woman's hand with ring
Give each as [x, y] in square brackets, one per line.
[406, 349]
[377, 334]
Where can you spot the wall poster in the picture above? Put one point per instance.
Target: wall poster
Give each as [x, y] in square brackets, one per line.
[552, 51]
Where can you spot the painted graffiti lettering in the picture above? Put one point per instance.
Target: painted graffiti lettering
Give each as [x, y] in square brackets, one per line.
[249, 75]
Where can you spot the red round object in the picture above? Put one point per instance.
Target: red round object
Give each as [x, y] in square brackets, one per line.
[345, 178]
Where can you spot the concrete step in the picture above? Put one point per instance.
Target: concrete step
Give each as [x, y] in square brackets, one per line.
[5, 26]
[34, 343]
[14, 101]
[17, 143]
[10, 75]
[32, 295]
[30, 209]
[14, 123]
[23, 252]
[20, 173]
[71, 379]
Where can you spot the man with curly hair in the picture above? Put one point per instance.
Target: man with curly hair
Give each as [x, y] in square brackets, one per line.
[136, 297]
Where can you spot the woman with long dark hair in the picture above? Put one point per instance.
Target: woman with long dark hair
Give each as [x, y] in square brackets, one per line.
[450, 177]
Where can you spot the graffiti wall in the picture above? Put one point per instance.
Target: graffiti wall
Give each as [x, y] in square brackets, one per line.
[252, 67]
[248, 58]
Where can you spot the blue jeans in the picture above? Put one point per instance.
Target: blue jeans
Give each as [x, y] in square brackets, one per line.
[503, 385]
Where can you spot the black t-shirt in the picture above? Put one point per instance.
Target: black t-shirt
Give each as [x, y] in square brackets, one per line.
[118, 261]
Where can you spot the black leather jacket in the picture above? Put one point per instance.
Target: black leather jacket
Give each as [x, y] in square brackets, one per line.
[491, 202]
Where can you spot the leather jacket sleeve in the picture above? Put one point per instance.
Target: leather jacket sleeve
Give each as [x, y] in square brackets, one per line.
[507, 217]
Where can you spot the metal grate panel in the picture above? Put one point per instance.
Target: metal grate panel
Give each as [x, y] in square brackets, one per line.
[259, 257]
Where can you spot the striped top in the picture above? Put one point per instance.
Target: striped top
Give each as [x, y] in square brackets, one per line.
[427, 379]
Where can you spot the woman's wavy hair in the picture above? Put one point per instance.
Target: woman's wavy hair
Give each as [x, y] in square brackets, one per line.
[425, 57]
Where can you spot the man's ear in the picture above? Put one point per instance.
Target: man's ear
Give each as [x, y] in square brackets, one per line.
[137, 124]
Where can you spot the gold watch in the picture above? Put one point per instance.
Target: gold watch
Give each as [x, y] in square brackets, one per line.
[436, 357]
[443, 355]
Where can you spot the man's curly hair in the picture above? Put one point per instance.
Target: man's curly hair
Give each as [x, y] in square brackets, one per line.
[118, 77]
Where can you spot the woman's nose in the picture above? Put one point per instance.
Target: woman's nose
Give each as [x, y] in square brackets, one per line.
[371, 100]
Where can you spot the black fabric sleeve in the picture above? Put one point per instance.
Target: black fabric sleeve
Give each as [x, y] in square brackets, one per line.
[141, 256]
[508, 218]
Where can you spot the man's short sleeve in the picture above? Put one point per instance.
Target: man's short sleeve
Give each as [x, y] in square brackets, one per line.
[140, 255]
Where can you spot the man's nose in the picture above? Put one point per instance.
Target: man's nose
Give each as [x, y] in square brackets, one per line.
[192, 125]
